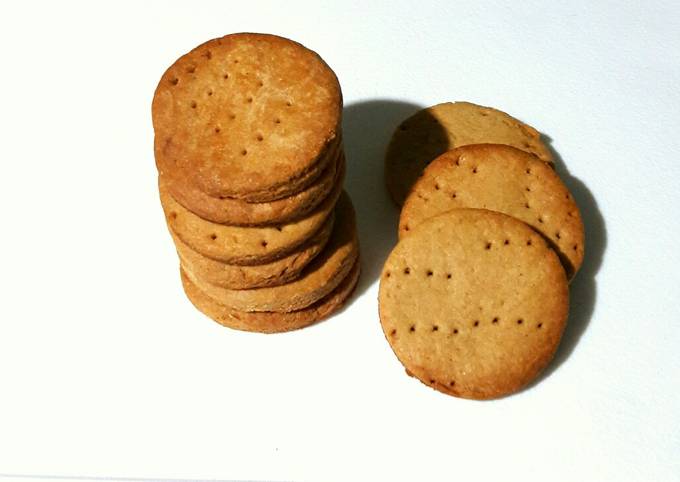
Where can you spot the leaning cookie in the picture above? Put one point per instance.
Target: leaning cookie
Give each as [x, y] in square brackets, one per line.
[437, 129]
[504, 179]
[473, 303]
[272, 322]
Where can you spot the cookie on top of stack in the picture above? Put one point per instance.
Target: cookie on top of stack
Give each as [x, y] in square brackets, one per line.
[249, 152]
[474, 298]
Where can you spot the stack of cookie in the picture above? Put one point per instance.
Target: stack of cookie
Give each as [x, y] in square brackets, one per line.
[249, 152]
[474, 297]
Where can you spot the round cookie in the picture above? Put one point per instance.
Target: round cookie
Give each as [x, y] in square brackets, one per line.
[237, 212]
[318, 278]
[504, 179]
[247, 116]
[473, 303]
[271, 322]
[237, 277]
[437, 129]
[240, 244]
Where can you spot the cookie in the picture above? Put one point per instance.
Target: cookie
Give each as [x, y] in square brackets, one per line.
[504, 179]
[237, 277]
[247, 116]
[242, 213]
[239, 244]
[318, 278]
[437, 129]
[473, 303]
[271, 322]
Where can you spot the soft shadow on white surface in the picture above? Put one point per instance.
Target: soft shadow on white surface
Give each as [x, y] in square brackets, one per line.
[367, 129]
[81, 478]
[583, 288]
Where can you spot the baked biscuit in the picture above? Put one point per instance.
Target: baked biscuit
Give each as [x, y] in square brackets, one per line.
[473, 303]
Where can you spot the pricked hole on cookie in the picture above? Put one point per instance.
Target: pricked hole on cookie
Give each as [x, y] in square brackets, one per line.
[236, 61]
[213, 236]
[520, 321]
[173, 215]
[263, 244]
[429, 273]
[208, 54]
[388, 274]
[506, 242]
[406, 228]
[259, 137]
[244, 152]
[277, 121]
[539, 326]
[452, 383]
[528, 171]
[495, 320]
[487, 246]
[435, 328]
[570, 214]
[575, 247]
[476, 323]
[249, 100]
[432, 381]
[526, 144]
[174, 81]
[232, 116]
[448, 275]
[455, 331]
[217, 130]
[412, 329]
[474, 170]
[193, 104]
[526, 205]
[407, 270]
[191, 69]
[393, 332]
[528, 242]
[458, 162]
[528, 189]
[289, 104]
[540, 220]
[436, 186]
[210, 92]
[260, 83]
[225, 76]
[558, 235]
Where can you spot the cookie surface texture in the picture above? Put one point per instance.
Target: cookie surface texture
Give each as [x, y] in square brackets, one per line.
[246, 116]
[437, 129]
[238, 212]
[242, 244]
[319, 277]
[504, 179]
[272, 322]
[473, 303]
[239, 277]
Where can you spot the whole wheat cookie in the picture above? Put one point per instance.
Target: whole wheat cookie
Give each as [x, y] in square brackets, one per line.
[473, 303]
[316, 280]
[237, 277]
[272, 322]
[241, 244]
[247, 116]
[504, 179]
[437, 129]
[237, 212]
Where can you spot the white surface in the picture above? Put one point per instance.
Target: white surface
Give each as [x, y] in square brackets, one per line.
[107, 370]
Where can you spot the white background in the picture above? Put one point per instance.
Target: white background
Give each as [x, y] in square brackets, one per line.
[106, 370]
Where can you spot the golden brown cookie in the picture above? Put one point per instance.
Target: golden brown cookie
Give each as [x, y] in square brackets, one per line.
[247, 116]
[318, 278]
[241, 244]
[237, 277]
[271, 322]
[237, 212]
[504, 179]
[437, 129]
[473, 303]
